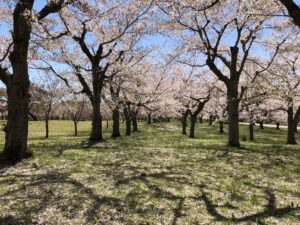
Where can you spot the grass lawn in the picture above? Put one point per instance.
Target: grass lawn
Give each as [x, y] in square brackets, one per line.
[156, 176]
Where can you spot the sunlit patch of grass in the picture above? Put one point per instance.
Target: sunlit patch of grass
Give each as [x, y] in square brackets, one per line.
[155, 176]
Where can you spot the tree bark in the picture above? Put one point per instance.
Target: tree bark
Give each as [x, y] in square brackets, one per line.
[293, 10]
[75, 128]
[18, 86]
[261, 124]
[116, 123]
[233, 115]
[210, 121]
[221, 126]
[96, 134]
[184, 121]
[47, 127]
[127, 121]
[149, 118]
[201, 119]
[193, 125]
[134, 124]
[277, 125]
[251, 131]
[291, 127]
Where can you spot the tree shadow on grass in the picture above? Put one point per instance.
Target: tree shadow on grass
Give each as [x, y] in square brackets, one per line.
[44, 191]
[270, 209]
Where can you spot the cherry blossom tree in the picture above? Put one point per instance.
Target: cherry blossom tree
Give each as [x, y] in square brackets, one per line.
[74, 107]
[14, 72]
[102, 34]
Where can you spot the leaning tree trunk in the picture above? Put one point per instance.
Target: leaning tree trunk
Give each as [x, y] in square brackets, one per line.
[193, 125]
[291, 127]
[233, 116]
[251, 131]
[116, 123]
[221, 122]
[15, 148]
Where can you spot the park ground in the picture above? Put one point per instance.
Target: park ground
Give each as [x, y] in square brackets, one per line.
[156, 176]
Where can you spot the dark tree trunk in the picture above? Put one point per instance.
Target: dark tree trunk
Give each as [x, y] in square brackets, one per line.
[210, 121]
[291, 127]
[75, 128]
[277, 125]
[116, 123]
[47, 127]
[184, 122]
[233, 116]
[221, 122]
[201, 119]
[127, 121]
[251, 131]
[261, 124]
[107, 121]
[15, 148]
[134, 124]
[128, 127]
[193, 125]
[149, 118]
[96, 134]
[33, 116]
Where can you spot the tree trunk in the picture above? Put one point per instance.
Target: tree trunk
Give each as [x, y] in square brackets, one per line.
[134, 124]
[210, 121]
[96, 134]
[221, 126]
[291, 127]
[261, 124]
[107, 121]
[47, 126]
[193, 125]
[201, 119]
[128, 127]
[116, 123]
[251, 131]
[75, 128]
[277, 125]
[184, 123]
[15, 148]
[127, 121]
[233, 116]
[149, 118]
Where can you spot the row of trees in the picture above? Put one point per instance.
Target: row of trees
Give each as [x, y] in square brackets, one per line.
[240, 55]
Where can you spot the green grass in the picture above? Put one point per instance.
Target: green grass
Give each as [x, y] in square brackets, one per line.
[156, 176]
